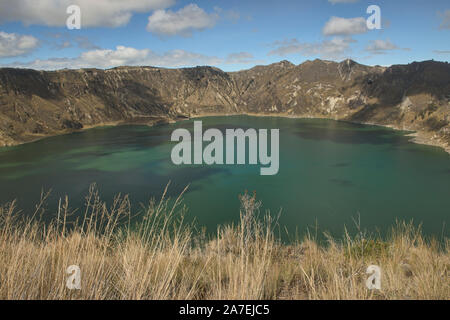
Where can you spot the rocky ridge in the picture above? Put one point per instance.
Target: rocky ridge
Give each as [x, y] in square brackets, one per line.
[416, 97]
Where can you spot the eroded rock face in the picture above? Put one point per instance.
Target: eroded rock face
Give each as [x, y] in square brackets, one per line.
[38, 103]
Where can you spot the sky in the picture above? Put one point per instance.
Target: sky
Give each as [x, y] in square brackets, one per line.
[231, 35]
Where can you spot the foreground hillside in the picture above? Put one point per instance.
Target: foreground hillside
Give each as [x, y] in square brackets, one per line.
[416, 96]
[160, 258]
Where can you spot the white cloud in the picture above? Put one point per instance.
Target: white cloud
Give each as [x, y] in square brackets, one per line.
[377, 45]
[232, 15]
[241, 58]
[445, 24]
[122, 56]
[336, 48]
[94, 13]
[343, 26]
[382, 46]
[85, 43]
[441, 51]
[182, 22]
[13, 45]
[127, 56]
[65, 40]
[342, 1]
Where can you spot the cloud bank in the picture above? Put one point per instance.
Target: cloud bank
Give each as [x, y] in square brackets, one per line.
[382, 47]
[13, 45]
[182, 22]
[336, 48]
[342, 26]
[94, 13]
[445, 16]
[128, 56]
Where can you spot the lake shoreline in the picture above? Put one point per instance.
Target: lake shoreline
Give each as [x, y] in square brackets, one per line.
[418, 137]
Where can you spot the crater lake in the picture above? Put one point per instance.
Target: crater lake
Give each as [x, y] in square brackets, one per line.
[331, 174]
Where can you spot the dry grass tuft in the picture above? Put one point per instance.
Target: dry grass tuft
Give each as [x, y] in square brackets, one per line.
[162, 258]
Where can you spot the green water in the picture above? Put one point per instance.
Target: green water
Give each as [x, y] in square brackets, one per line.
[330, 174]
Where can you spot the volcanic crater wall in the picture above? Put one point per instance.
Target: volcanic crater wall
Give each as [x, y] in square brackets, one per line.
[415, 97]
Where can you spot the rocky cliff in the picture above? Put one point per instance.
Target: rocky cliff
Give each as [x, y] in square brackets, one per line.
[416, 96]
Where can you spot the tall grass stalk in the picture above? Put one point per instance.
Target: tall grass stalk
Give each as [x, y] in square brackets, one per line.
[154, 254]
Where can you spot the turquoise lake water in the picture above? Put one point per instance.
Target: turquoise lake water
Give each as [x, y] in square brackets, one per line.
[330, 173]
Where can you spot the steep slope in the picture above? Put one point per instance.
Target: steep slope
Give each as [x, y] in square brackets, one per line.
[39, 103]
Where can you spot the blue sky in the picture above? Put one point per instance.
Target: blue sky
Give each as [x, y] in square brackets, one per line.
[231, 35]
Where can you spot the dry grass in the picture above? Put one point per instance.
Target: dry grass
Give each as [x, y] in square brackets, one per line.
[162, 258]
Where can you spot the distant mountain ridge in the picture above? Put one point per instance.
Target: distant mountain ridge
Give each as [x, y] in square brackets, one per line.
[415, 97]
